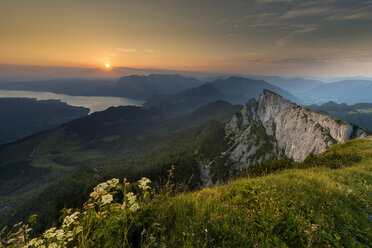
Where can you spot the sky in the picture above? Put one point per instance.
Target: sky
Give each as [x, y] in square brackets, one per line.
[322, 38]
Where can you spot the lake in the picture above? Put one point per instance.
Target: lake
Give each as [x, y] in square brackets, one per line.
[94, 103]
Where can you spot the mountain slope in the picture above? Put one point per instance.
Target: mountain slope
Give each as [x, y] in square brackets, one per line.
[314, 207]
[275, 127]
[133, 142]
[145, 87]
[23, 117]
[359, 114]
[128, 140]
[295, 85]
[190, 99]
[249, 88]
[349, 91]
[234, 90]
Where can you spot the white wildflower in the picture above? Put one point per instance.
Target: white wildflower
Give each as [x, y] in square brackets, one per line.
[107, 199]
[134, 207]
[94, 194]
[131, 198]
[60, 234]
[143, 183]
[36, 242]
[70, 219]
[113, 182]
[49, 233]
[102, 186]
[53, 245]
[69, 234]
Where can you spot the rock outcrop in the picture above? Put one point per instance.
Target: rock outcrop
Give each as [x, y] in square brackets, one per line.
[273, 127]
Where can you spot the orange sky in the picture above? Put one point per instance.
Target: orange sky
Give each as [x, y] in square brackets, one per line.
[272, 37]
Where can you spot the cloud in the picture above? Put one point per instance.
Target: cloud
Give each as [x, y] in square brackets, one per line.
[305, 12]
[274, 1]
[234, 35]
[355, 16]
[303, 29]
[149, 50]
[127, 50]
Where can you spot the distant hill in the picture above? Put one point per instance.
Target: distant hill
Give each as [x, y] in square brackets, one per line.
[249, 88]
[295, 85]
[234, 90]
[360, 114]
[21, 117]
[349, 91]
[144, 87]
[136, 87]
[190, 99]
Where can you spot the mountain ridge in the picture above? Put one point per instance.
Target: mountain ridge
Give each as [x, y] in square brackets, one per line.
[235, 90]
[276, 124]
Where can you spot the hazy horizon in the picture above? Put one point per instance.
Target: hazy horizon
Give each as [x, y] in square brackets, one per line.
[329, 38]
[18, 73]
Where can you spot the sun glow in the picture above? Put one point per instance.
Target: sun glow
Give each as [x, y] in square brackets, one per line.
[107, 65]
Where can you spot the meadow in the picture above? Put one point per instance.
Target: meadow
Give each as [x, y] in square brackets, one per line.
[324, 205]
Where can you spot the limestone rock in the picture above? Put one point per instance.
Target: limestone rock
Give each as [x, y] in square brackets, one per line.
[276, 127]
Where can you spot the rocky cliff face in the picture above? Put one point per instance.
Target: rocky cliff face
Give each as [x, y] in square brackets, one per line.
[274, 127]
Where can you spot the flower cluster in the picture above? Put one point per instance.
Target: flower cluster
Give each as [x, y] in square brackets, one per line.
[143, 183]
[68, 220]
[54, 237]
[106, 199]
[102, 188]
[100, 210]
[132, 198]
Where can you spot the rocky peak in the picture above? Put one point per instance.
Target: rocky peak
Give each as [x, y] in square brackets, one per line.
[275, 127]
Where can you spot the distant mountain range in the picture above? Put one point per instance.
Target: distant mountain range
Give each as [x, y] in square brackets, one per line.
[235, 90]
[21, 117]
[349, 91]
[136, 87]
[155, 86]
[296, 85]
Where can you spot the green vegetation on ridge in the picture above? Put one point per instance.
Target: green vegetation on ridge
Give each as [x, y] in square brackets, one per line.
[314, 207]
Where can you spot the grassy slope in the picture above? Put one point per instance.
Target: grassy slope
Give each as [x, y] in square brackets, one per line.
[316, 207]
[294, 208]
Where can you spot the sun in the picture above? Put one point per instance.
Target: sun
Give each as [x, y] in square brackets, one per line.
[107, 65]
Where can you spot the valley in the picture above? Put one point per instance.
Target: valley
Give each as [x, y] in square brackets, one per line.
[133, 142]
[186, 124]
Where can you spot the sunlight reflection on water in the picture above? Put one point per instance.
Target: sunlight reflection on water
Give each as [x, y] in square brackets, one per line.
[94, 103]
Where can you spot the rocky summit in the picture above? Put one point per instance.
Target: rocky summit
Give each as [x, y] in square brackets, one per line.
[274, 127]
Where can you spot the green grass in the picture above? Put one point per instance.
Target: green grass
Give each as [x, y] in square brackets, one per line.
[294, 208]
[314, 207]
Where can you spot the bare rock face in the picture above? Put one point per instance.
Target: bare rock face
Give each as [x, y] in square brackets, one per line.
[275, 127]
